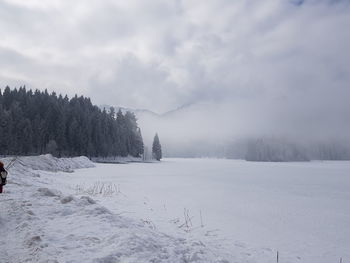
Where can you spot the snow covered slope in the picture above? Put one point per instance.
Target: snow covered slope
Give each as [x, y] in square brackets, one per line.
[39, 223]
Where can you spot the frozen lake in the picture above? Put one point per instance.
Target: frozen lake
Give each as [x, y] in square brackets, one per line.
[300, 209]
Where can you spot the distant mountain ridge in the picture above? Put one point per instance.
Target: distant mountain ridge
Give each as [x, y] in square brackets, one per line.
[124, 109]
[141, 112]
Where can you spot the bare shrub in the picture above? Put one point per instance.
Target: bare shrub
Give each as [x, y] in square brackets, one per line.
[99, 188]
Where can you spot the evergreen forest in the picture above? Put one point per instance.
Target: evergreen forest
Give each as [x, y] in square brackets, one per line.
[36, 122]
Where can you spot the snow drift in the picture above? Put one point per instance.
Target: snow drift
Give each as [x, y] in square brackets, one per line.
[49, 163]
[40, 223]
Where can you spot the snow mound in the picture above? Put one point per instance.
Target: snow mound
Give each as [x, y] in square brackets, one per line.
[67, 199]
[88, 199]
[49, 163]
[117, 159]
[49, 192]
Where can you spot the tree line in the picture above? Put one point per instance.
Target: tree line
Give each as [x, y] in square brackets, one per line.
[38, 123]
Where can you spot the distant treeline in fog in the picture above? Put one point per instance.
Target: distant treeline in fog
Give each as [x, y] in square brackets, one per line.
[272, 149]
[265, 149]
[38, 122]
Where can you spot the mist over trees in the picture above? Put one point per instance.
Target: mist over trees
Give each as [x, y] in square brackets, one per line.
[38, 123]
[156, 148]
[275, 149]
[263, 149]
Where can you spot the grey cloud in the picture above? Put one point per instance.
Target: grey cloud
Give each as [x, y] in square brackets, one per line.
[264, 62]
[136, 83]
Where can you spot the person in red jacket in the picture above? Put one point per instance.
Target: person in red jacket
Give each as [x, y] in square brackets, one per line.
[3, 175]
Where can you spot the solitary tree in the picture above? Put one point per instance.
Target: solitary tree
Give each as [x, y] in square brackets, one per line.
[156, 148]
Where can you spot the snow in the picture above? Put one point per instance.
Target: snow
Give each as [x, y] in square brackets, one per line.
[117, 159]
[178, 210]
[42, 221]
[49, 163]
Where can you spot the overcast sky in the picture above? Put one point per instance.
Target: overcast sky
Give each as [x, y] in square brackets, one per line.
[160, 55]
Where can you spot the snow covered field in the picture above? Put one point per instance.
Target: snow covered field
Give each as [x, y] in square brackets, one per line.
[180, 210]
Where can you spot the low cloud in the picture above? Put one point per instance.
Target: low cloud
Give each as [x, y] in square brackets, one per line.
[261, 66]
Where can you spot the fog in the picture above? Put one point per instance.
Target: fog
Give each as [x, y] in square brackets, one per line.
[228, 129]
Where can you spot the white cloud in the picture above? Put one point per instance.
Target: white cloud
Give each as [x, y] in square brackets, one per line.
[290, 55]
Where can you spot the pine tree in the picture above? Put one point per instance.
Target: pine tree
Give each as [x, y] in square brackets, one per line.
[39, 122]
[156, 148]
[139, 143]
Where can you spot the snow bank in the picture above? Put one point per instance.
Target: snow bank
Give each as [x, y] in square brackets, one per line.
[49, 163]
[117, 159]
[40, 223]
[30, 164]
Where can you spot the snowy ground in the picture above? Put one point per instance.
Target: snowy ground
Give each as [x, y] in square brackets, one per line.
[42, 220]
[179, 210]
